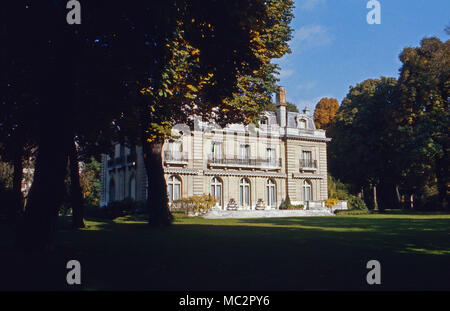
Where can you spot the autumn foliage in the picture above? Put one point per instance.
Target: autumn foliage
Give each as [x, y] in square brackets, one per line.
[325, 112]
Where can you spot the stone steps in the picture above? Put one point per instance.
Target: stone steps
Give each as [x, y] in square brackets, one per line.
[217, 214]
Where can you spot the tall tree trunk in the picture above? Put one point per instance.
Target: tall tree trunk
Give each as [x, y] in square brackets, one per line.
[157, 200]
[375, 201]
[17, 180]
[398, 196]
[442, 176]
[76, 195]
[37, 231]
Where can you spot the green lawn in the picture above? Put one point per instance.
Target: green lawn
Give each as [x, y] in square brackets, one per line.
[241, 254]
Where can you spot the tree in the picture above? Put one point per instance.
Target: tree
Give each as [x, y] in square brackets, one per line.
[184, 88]
[290, 107]
[90, 181]
[422, 118]
[82, 77]
[325, 112]
[361, 139]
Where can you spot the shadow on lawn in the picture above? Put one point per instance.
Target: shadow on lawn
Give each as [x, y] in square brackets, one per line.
[242, 254]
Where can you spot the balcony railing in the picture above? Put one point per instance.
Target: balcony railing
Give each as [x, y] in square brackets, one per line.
[245, 163]
[175, 157]
[308, 164]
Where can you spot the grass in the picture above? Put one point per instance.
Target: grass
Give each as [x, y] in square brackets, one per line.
[311, 253]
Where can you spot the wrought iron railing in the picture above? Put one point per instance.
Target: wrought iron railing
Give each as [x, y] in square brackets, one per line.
[306, 163]
[170, 156]
[255, 162]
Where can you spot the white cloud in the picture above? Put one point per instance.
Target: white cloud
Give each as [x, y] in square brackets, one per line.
[307, 85]
[305, 38]
[309, 37]
[308, 5]
[310, 102]
[286, 73]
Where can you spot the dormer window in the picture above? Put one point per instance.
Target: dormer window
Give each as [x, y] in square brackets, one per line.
[301, 122]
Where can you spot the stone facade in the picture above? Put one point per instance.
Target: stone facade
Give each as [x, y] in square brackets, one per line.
[284, 155]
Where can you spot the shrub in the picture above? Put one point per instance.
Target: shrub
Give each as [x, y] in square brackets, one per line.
[196, 204]
[331, 202]
[355, 203]
[299, 206]
[286, 204]
[351, 212]
[337, 189]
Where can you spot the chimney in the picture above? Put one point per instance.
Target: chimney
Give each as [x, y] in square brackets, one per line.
[281, 106]
[306, 111]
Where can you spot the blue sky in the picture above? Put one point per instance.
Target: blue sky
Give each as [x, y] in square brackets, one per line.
[333, 46]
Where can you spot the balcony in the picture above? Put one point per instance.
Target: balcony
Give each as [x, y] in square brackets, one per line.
[308, 165]
[175, 157]
[256, 163]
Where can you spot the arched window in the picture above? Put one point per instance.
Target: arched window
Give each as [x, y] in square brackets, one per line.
[307, 193]
[112, 190]
[244, 192]
[271, 193]
[216, 190]
[174, 188]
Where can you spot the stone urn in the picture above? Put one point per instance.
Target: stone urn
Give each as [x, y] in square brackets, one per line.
[232, 205]
[260, 205]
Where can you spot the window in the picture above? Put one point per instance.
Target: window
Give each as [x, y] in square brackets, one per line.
[264, 121]
[216, 190]
[245, 152]
[271, 199]
[216, 150]
[307, 194]
[271, 155]
[174, 188]
[302, 124]
[244, 192]
[306, 159]
[175, 150]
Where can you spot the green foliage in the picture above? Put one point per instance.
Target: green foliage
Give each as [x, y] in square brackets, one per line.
[355, 203]
[90, 181]
[197, 204]
[422, 117]
[290, 107]
[393, 135]
[337, 189]
[287, 205]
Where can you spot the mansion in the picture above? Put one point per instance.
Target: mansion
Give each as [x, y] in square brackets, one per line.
[284, 156]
